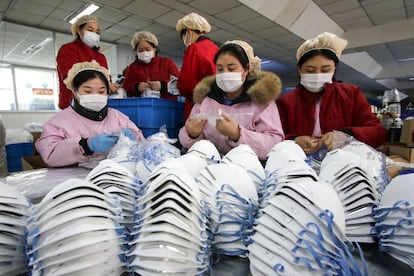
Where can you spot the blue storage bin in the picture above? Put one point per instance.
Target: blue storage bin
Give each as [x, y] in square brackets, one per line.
[14, 154]
[149, 114]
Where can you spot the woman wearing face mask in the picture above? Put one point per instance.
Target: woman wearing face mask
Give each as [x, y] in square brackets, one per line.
[85, 47]
[237, 105]
[88, 128]
[198, 57]
[149, 72]
[320, 105]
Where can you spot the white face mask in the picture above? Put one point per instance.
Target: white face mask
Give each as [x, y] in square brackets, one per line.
[93, 102]
[229, 81]
[187, 39]
[315, 82]
[146, 56]
[91, 39]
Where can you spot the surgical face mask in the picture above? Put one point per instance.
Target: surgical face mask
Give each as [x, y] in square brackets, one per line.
[315, 82]
[229, 81]
[93, 102]
[187, 39]
[90, 38]
[146, 56]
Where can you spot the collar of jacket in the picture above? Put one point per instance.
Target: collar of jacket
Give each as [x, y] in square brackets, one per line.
[202, 37]
[312, 97]
[90, 114]
[261, 90]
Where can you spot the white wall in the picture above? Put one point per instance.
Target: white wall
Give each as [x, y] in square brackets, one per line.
[17, 119]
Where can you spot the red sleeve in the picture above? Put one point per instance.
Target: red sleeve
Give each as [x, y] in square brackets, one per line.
[65, 59]
[130, 82]
[189, 73]
[173, 69]
[366, 127]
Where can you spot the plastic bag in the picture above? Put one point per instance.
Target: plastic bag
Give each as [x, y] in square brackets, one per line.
[16, 136]
[33, 127]
[339, 139]
[172, 86]
[35, 184]
[126, 152]
[156, 149]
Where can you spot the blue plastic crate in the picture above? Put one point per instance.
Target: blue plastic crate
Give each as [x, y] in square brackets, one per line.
[14, 154]
[149, 114]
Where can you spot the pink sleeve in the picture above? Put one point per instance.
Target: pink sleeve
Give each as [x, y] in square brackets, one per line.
[185, 140]
[267, 133]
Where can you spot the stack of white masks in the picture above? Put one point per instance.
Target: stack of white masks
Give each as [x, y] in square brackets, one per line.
[244, 156]
[301, 231]
[171, 235]
[75, 230]
[117, 180]
[13, 216]
[232, 199]
[285, 163]
[356, 191]
[394, 219]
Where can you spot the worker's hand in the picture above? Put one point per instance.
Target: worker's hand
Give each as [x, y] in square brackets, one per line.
[102, 143]
[142, 86]
[227, 126]
[326, 141]
[155, 85]
[307, 143]
[129, 133]
[113, 87]
[195, 125]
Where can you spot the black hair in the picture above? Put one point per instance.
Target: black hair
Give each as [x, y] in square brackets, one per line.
[324, 52]
[86, 75]
[184, 31]
[235, 50]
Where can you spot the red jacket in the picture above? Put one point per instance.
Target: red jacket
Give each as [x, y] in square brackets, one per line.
[198, 63]
[69, 54]
[343, 107]
[159, 69]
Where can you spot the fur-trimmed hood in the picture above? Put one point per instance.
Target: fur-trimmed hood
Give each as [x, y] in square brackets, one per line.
[266, 88]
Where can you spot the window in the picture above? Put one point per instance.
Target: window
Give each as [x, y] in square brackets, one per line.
[28, 74]
[6, 88]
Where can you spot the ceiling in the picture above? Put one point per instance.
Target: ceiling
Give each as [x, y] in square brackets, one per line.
[379, 56]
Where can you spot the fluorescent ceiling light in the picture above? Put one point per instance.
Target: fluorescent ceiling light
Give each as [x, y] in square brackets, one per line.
[87, 8]
[34, 49]
[411, 79]
[405, 59]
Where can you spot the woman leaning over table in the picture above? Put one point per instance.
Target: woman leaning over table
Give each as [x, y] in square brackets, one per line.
[88, 128]
[321, 105]
[237, 105]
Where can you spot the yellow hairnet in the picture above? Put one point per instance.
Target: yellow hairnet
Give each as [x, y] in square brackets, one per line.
[82, 20]
[82, 66]
[144, 35]
[193, 21]
[326, 41]
[254, 61]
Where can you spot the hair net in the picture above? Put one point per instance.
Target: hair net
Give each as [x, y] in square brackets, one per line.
[327, 41]
[82, 66]
[193, 21]
[82, 20]
[254, 61]
[144, 35]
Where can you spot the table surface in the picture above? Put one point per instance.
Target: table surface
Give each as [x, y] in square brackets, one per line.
[378, 264]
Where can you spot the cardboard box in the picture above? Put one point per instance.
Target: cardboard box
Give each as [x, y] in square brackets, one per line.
[406, 133]
[33, 162]
[398, 149]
